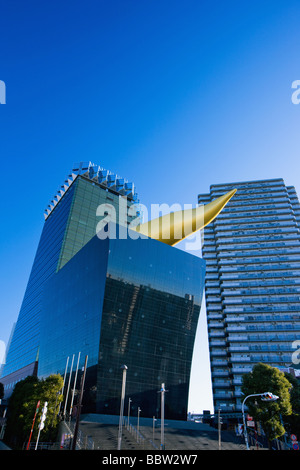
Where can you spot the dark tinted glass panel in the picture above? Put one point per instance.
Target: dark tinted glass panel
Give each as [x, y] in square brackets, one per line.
[25, 342]
[149, 320]
[133, 302]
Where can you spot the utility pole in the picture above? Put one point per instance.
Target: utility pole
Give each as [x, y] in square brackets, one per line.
[37, 409]
[67, 395]
[153, 428]
[62, 390]
[79, 405]
[124, 367]
[129, 401]
[219, 426]
[138, 424]
[74, 386]
[162, 417]
[42, 422]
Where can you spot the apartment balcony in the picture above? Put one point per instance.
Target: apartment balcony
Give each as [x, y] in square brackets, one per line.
[215, 316]
[234, 319]
[216, 308]
[240, 359]
[258, 338]
[236, 328]
[239, 338]
[270, 348]
[224, 395]
[218, 343]
[243, 348]
[220, 373]
[241, 370]
[216, 334]
[216, 354]
[221, 385]
[219, 363]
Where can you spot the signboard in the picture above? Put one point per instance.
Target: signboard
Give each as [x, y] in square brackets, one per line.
[250, 421]
[294, 442]
[239, 429]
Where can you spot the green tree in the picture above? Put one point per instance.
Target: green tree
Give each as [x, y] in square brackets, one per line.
[264, 378]
[292, 422]
[23, 404]
[16, 428]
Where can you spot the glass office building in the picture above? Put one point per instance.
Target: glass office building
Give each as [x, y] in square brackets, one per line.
[252, 286]
[117, 300]
[132, 302]
[70, 222]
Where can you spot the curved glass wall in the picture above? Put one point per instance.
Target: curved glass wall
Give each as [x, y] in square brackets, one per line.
[133, 302]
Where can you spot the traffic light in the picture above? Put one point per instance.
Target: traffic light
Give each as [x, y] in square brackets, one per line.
[268, 396]
[43, 417]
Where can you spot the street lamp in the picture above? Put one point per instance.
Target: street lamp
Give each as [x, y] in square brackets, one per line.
[266, 396]
[138, 424]
[154, 419]
[219, 426]
[162, 416]
[129, 401]
[122, 406]
[67, 395]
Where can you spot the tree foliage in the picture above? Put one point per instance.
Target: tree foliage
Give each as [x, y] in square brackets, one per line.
[23, 404]
[264, 378]
[292, 422]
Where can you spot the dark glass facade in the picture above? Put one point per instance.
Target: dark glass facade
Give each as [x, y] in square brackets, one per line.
[23, 352]
[70, 223]
[117, 301]
[133, 302]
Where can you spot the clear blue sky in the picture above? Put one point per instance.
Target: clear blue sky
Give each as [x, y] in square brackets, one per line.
[174, 95]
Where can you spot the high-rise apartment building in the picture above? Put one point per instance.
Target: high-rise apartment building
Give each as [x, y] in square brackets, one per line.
[252, 286]
[117, 300]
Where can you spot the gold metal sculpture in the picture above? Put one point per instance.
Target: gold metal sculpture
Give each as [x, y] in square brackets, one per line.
[176, 226]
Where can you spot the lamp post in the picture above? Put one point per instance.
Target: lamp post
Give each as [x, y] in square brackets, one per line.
[36, 411]
[138, 424]
[154, 419]
[266, 396]
[162, 417]
[74, 386]
[62, 391]
[79, 405]
[129, 401]
[67, 395]
[124, 368]
[42, 424]
[219, 426]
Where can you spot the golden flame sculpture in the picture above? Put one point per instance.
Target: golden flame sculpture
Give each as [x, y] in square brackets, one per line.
[176, 226]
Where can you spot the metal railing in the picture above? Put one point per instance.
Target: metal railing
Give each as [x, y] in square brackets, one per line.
[42, 446]
[83, 442]
[144, 443]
